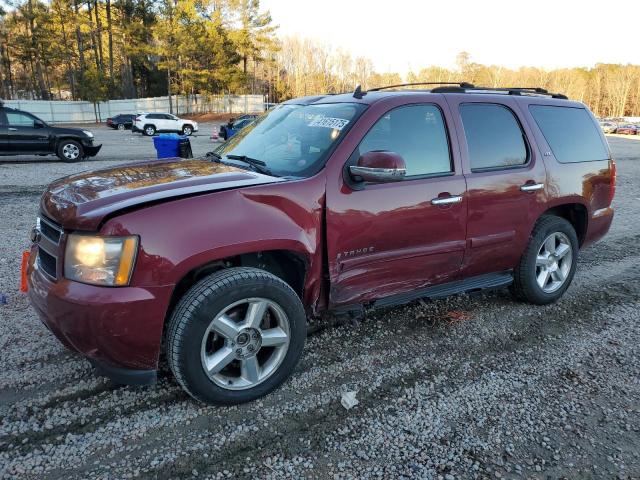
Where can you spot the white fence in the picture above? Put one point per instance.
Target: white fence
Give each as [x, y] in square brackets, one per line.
[83, 112]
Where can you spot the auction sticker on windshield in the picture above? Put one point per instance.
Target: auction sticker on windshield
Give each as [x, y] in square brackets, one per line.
[328, 122]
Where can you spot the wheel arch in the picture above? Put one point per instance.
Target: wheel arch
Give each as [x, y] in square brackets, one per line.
[62, 138]
[576, 214]
[288, 265]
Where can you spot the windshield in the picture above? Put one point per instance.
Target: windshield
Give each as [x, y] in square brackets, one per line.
[293, 140]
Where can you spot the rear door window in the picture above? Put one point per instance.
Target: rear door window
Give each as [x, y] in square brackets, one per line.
[570, 132]
[418, 134]
[494, 137]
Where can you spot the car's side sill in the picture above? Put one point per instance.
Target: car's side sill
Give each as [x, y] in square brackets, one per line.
[472, 284]
[481, 282]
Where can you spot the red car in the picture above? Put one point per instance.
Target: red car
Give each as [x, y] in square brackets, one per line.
[628, 129]
[327, 205]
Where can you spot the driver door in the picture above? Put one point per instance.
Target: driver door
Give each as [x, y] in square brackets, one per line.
[26, 133]
[387, 239]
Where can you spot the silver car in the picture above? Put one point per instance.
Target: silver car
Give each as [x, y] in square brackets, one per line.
[608, 127]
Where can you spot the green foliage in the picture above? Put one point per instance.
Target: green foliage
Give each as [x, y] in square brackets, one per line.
[94, 49]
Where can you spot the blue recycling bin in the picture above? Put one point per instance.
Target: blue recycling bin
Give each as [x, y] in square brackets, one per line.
[167, 145]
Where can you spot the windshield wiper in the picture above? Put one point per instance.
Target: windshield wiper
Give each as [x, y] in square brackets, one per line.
[258, 165]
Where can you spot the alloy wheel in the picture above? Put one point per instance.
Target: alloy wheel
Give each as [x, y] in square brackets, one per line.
[245, 343]
[70, 151]
[553, 262]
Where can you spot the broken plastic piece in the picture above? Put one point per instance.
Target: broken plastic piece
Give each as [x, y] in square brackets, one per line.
[349, 400]
[24, 286]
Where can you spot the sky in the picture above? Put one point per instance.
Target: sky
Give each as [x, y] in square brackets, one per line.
[404, 35]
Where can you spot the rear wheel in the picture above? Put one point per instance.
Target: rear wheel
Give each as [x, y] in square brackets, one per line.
[235, 336]
[70, 151]
[548, 265]
[149, 130]
[121, 126]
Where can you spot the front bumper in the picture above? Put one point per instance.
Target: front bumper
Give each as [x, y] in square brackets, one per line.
[92, 150]
[118, 329]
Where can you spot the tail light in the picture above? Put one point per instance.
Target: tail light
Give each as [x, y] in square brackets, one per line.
[614, 174]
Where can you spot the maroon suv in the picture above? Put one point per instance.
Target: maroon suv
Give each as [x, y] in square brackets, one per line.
[333, 203]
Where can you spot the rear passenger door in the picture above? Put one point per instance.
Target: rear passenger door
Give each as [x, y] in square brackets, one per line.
[505, 176]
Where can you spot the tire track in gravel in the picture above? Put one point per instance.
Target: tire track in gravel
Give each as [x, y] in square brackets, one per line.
[90, 421]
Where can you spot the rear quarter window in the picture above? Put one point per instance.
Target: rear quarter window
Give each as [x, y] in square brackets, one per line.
[570, 132]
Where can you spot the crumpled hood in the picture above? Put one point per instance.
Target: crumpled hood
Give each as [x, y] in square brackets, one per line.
[83, 200]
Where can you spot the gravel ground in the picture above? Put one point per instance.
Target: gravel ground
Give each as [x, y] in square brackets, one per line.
[474, 386]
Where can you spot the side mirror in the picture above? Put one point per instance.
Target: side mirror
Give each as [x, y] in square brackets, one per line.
[38, 124]
[379, 167]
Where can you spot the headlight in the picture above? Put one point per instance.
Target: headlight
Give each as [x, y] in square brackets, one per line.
[96, 260]
[87, 133]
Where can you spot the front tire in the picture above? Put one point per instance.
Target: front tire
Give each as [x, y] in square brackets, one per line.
[187, 130]
[149, 130]
[548, 264]
[235, 336]
[70, 151]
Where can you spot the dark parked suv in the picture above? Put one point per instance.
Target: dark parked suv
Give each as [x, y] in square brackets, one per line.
[22, 133]
[329, 204]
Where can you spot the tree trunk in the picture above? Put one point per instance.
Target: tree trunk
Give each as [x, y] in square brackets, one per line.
[7, 80]
[169, 89]
[110, 33]
[81, 61]
[68, 53]
[94, 44]
[42, 87]
[96, 12]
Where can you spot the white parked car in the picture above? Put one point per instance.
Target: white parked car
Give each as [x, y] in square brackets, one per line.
[150, 123]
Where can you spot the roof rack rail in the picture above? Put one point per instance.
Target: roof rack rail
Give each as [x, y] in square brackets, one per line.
[359, 93]
[459, 84]
[508, 90]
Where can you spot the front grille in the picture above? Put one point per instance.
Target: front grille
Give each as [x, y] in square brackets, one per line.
[50, 229]
[47, 263]
[49, 248]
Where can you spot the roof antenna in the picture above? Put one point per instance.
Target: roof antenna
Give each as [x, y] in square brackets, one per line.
[358, 93]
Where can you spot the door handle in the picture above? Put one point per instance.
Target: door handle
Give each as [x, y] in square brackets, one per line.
[11, 129]
[446, 200]
[532, 187]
